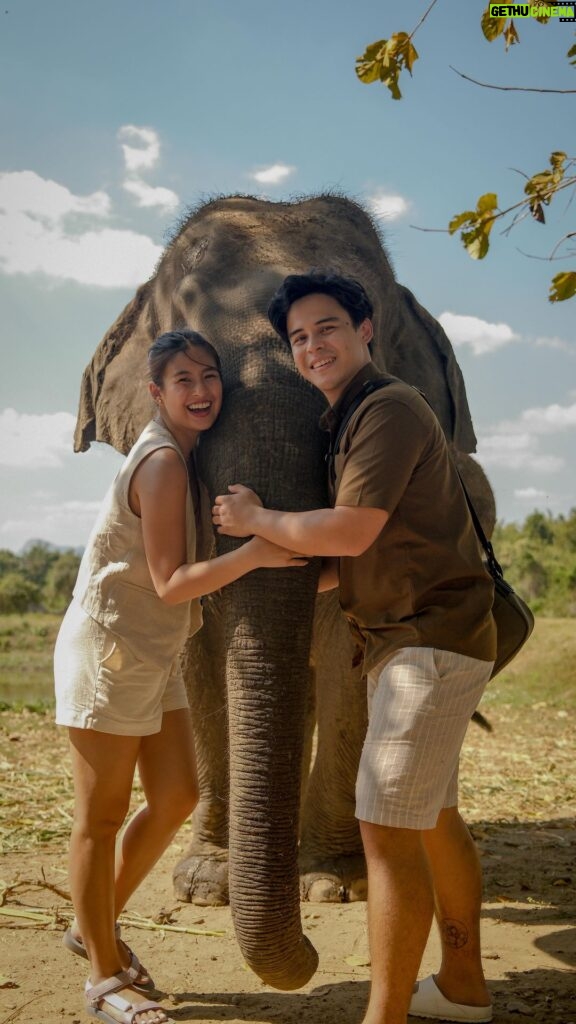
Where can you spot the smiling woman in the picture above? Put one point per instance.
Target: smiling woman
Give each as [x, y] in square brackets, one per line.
[119, 684]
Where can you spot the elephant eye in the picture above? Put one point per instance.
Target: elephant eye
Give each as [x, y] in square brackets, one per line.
[194, 253]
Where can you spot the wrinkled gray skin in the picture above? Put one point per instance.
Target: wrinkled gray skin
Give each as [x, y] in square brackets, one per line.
[252, 673]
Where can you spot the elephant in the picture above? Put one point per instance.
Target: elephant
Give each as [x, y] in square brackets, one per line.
[270, 650]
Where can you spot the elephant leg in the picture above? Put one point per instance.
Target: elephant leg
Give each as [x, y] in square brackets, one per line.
[332, 865]
[201, 876]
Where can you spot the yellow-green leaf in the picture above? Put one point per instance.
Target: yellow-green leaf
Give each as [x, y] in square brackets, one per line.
[563, 286]
[491, 27]
[384, 60]
[572, 54]
[487, 202]
[368, 65]
[558, 159]
[469, 216]
[476, 242]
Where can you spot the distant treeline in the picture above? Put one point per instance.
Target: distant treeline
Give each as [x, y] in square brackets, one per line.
[538, 558]
[40, 579]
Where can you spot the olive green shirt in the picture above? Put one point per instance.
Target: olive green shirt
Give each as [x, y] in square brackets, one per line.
[422, 583]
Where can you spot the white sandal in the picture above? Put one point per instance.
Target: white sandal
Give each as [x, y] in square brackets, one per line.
[105, 992]
[136, 969]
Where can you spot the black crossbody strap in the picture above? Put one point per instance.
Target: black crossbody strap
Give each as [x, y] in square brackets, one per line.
[368, 388]
[494, 567]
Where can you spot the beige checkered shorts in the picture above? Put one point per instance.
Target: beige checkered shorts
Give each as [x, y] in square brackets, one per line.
[102, 684]
[420, 702]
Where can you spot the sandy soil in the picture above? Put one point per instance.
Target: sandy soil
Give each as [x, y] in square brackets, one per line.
[519, 802]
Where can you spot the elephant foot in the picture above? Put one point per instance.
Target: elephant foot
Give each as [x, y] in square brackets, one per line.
[334, 880]
[202, 879]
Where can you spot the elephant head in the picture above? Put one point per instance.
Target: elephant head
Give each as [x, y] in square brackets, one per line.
[217, 276]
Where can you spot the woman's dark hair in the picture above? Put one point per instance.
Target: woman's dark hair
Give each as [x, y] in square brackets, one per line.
[168, 345]
[348, 292]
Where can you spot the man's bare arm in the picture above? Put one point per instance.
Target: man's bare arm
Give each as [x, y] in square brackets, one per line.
[340, 531]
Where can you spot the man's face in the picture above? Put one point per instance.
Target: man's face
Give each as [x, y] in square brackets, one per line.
[328, 350]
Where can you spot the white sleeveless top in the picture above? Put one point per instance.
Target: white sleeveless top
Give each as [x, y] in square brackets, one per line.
[114, 585]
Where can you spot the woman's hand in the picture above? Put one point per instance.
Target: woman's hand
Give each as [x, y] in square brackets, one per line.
[269, 556]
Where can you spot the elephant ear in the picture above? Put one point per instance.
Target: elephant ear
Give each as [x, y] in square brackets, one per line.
[422, 355]
[114, 402]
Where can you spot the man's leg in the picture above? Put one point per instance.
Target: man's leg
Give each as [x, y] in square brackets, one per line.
[457, 878]
[400, 912]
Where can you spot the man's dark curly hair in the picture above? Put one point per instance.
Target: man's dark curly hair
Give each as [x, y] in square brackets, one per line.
[348, 292]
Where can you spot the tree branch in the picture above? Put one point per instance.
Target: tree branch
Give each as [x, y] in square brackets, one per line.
[508, 88]
[423, 18]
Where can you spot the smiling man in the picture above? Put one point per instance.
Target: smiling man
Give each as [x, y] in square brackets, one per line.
[401, 546]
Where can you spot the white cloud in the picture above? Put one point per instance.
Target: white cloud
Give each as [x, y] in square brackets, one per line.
[515, 444]
[482, 336]
[36, 236]
[530, 494]
[26, 193]
[387, 207]
[557, 344]
[66, 523]
[148, 195]
[550, 419]
[143, 157]
[273, 175]
[140, 157]
[29, 441]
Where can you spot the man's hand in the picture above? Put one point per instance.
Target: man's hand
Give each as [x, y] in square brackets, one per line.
[232, 513]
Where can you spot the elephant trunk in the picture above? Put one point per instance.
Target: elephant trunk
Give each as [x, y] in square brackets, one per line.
[268, 676]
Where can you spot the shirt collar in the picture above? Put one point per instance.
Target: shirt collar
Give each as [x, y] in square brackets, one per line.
[333, 416]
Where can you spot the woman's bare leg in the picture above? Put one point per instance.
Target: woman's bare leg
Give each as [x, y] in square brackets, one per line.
[167, 767]
[103, 768]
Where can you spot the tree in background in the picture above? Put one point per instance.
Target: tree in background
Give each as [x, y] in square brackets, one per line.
[60, 580]
[384, 60]
[41, 578]
[539, 560]
[18, 594]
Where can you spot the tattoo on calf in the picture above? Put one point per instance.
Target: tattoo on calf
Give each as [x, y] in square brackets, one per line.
[454, 933]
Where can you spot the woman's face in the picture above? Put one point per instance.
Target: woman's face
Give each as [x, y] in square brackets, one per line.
[190, 396]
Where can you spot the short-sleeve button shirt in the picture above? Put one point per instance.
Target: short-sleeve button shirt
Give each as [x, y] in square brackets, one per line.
[422, 583]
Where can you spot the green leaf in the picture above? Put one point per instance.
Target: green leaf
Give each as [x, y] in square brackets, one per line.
[557, 160]
[477, 242]
[563, 286]
[383, 61]
[368, 66]
[487, 203]
[492, 27]
[469, 216]
[572, 54]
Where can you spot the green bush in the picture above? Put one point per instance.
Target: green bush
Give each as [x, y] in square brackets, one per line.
[17, 594]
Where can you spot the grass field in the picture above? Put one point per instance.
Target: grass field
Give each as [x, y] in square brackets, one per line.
[545, 671]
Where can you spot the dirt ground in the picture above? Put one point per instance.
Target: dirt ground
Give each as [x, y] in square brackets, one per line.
[517, 791]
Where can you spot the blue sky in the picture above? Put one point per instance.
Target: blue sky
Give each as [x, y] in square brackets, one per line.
[116, 117]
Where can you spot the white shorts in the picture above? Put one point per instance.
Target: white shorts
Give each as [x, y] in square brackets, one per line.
[420, 702]
[102, 684]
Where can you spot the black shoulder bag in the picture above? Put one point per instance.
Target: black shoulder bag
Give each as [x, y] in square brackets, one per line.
[514, 619]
